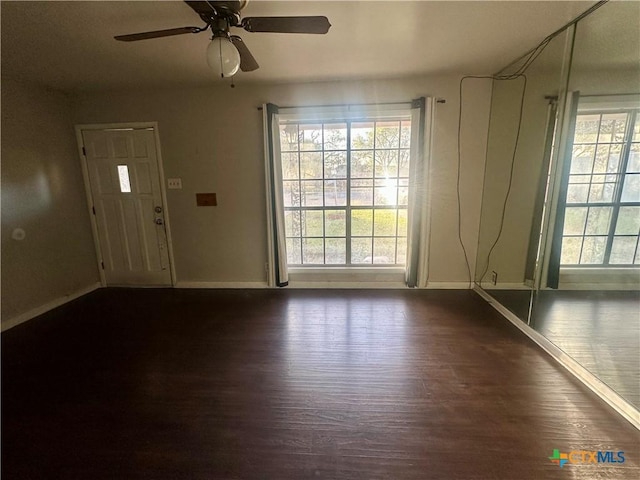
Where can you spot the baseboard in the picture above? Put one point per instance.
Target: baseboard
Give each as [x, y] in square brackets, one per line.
[23, 317]
[449, 285]
[599, 286]
[221, 285]
[606, 393]
[373, 285]
[505, 286]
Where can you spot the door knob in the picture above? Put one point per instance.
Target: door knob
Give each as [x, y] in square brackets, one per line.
[158, 209]
[159, 221]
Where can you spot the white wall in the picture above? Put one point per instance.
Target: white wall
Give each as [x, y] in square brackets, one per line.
[42, 193]
[212, 138]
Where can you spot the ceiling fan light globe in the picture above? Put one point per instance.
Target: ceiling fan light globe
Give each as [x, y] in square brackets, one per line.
[223, 57]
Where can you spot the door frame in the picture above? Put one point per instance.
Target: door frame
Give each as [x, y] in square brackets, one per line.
[87, 187]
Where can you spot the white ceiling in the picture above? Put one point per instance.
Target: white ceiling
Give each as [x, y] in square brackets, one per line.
[70, 45]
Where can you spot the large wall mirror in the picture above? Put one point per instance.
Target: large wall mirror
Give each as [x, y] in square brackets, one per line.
[567, 260]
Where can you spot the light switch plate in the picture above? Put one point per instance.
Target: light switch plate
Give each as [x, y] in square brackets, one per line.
[175, 183]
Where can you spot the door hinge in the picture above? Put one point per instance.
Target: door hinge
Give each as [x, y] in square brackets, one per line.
[84, 151]
[102, 264]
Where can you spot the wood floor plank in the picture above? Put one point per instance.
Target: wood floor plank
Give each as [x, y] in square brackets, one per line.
[293, 384]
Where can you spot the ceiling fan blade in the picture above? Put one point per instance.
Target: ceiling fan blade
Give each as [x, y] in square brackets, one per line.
[201, 8]
[158, 33]
[247, 62]
[318, 25]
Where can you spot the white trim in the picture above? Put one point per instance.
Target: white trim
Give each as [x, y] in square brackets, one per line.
[594, 286]
[221, 285]
[448, 285]
[34, 312]
[87, 191]
[597, 386]
[339, 285]
[504, 286]
[87, 185]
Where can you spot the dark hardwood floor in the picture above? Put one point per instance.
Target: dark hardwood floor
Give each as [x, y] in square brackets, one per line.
[598, 329]
[293, 384]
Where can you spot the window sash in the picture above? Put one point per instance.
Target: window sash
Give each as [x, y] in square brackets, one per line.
[616, 179]
[400, 238]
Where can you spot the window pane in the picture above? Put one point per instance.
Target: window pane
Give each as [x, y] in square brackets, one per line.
[335, 223]
[403, 196]
[123, 175]
[387, 134]
[631, 188]
[362, 135]
[601, 192]
[384, 223]
[402, 251]
[577, 193]
[311, 165]
[628, 221]
[587, 128]
[402, 222]
[622, 250]
[292, 223]
[612, 127]
[290, 169]
[310, 137]
[291, 193]
[335, 165]
[336, 251]
[636, 130]
[403, 163]
[293, 251]
[386, 195]
[361, 222]
[571, 250]
[601, 163]
[362, 192]
[313, 251]
[361, 250]
[288, 138]
[633, 165]
[405, 134]
[335, 136]
[574, 220]
[335, 193]
[582, 159]
[593, 250]
[384, 250]
[312, 225]
[386, 164]
[362, 164]
[311, 193]
[598, 221]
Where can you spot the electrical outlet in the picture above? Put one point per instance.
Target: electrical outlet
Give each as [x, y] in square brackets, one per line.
[174, 183]
[494, 277]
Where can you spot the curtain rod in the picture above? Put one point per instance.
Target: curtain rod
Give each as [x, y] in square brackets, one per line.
[439, 100]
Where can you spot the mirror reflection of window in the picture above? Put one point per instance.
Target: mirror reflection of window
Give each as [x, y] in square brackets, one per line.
[602, 216]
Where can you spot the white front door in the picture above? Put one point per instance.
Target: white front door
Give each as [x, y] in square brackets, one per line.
[124, 177]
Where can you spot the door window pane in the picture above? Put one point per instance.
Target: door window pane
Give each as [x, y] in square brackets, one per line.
[123, 176]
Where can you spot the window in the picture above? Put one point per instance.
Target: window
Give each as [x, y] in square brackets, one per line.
[123, 176]
[345, 186]
[602, 213]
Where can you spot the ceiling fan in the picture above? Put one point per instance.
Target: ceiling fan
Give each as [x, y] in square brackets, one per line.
[227, 53]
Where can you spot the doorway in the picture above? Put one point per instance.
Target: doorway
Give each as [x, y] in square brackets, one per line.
[124, 182]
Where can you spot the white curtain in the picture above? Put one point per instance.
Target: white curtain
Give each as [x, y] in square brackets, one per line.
[419, 211]
[278, 275]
